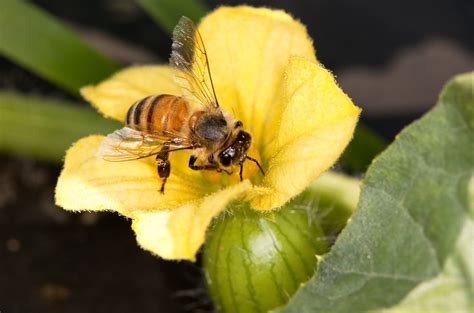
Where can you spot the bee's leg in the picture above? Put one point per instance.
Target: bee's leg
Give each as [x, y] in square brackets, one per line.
[163, 166]
[241, 170]
[256, 162]
[192, 161]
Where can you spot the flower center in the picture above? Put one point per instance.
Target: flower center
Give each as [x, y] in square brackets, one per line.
[250, 171]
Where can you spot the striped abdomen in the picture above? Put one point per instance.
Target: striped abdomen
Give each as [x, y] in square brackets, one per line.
[159, 114]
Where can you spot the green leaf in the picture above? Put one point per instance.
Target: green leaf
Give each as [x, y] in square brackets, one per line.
[413, 204]
[44, 128]
[36, 40]
[452, 290]
[364, 147]
[167, 13]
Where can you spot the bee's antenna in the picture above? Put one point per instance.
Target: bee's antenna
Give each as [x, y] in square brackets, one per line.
[256, 162]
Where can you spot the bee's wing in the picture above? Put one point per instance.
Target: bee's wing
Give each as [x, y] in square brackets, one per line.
[189, 56]
[127, 144]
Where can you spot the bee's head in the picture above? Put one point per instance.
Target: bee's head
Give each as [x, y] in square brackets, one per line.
[237, 151]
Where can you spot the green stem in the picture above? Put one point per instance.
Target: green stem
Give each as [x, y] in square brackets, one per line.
[340, 188]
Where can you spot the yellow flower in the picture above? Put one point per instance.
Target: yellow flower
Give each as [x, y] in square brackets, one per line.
[265, 74]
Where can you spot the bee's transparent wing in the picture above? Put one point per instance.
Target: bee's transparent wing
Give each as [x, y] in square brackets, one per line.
[127, 144]
[189, 56]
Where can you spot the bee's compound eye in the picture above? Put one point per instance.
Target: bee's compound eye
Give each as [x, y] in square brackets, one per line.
[226, 156]
[238, 124]
[225, 160]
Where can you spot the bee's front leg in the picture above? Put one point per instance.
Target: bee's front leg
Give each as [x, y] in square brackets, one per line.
[241, 164]
[163, 166]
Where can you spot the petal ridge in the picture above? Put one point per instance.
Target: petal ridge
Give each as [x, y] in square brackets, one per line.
[317, 122]
[248, 50]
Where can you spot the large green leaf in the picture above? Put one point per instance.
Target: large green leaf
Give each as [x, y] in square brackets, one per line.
[44, 128]
[168, 12]
[413, 204]
[36, 40]
[452, 290]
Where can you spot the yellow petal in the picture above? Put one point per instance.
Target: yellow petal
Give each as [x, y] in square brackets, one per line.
[248, 49]
[89, 183]
[316, 124]
[115, 95]
[179, 233]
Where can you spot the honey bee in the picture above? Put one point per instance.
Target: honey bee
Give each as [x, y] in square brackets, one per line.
[160, 124]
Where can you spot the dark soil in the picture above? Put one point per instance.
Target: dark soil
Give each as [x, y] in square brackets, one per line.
[54, 261]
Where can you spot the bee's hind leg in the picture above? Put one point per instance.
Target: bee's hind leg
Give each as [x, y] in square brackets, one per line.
[163, 166]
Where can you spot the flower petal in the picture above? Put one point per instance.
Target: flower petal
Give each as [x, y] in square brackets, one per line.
[316, 124]
[114, 96]
[248, 49]
[179, 233]
[90, 183]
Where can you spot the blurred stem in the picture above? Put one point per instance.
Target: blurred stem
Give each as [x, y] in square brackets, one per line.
[36, 40]
[345, 189]
[44, 128]
[364, 147]
[167, 13]
[336, 196]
